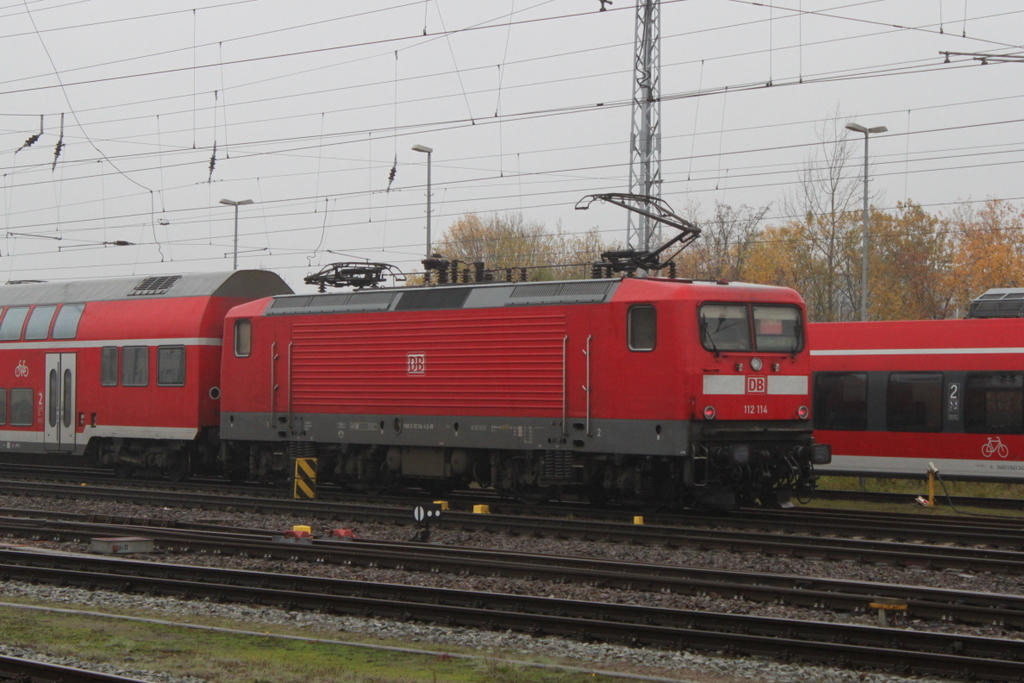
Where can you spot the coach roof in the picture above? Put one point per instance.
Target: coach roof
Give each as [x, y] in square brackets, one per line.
[238, 284]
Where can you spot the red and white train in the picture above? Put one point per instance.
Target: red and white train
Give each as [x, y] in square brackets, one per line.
[892, 398]
[125, 371]
[648, 390]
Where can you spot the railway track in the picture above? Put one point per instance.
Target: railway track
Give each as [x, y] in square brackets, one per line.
[909, 498]
[848, 645]
[942, 605]
[19, 670]
[985, 549]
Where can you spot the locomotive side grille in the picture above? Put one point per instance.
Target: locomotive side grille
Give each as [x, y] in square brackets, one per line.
[432, 299]
[152, 286]
[291, 302]
[575, 292]
[496, 362]
[532, 291]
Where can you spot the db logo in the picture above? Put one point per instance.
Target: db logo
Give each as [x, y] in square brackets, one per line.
[757, 385]
[416, 363]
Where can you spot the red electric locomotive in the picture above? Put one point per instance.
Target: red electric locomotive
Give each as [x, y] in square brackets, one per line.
[650, 390]
[123, 371]
[892, 398]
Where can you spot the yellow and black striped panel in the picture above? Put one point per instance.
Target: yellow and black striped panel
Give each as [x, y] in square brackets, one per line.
[304, 479]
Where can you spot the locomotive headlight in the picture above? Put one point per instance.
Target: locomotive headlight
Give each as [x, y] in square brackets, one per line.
[755, 364]
[709, 413]
[802, 412]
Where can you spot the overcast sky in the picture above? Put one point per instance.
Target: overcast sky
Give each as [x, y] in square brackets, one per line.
[304, 107]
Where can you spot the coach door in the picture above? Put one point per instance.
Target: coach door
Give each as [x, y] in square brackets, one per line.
[60, 402]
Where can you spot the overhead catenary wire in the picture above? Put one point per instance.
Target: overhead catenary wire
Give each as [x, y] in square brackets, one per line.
[287, 148]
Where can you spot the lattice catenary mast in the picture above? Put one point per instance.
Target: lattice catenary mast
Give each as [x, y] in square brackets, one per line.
[645, 138]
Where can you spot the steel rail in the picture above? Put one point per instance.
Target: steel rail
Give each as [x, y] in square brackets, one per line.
[813, 547]
[23, 670]
[860, 646]
[812, 592]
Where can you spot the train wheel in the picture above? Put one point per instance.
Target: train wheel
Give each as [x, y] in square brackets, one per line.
[536, 495]
[180, 467]
[123, 470]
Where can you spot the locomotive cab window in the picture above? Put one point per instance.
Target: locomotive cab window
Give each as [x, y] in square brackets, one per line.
[643, 327]
[39, 322]
[10, 328]
[841, 401]
[170, 366]
[243, 338]
[778, 328]
[994, 402]
[914, 402]
[66, 325]
[725, 327]
[135, 366]
[108, 366]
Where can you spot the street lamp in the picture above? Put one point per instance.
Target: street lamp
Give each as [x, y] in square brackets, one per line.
[856, 127]
[234, 261]
[428, 151]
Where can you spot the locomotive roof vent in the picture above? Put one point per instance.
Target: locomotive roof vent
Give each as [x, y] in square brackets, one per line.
[151, 286]
[1002, 302]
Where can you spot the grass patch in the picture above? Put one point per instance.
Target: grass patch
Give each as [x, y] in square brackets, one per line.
[972, 489]
[919, 487]
[238, 658]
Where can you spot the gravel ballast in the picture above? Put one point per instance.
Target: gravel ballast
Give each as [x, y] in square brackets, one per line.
[675, 665]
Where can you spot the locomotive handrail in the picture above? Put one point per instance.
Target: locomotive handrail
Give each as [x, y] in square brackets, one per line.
[565, 386]
[289, 376]
[586, 388]
[273, 387]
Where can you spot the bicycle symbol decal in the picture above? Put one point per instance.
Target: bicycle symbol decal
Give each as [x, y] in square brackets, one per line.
[21, 369]
[995, 445]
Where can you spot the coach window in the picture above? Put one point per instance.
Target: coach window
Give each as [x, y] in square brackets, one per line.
[914, 402]
[66, 325]
[108, 366]
[135, 366]
[39, 322]
[643, 327]
[10, 328]
[21, 407]
[170, 366]
[243, 338]
[725, 327]
[841, 401]
[994, 402]
[3, 406]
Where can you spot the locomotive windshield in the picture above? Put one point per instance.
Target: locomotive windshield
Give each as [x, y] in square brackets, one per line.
[741, 327]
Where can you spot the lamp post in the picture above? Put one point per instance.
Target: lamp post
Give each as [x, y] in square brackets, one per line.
[856, 127]
[234, 260]
[428, 151]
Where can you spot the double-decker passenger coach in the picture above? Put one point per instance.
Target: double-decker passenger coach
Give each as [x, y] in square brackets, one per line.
[124, 371]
